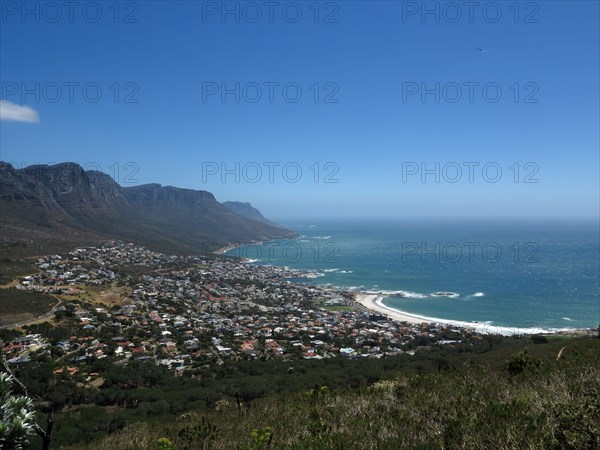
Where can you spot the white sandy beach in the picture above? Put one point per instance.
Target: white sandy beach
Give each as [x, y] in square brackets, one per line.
[227, 248]
[374, 302]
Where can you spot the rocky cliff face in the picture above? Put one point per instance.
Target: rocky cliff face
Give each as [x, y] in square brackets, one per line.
[63, 202]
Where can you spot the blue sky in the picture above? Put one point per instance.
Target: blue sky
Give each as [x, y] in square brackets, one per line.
[140, 98]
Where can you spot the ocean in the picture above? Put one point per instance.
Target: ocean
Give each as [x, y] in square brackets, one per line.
[535, 274]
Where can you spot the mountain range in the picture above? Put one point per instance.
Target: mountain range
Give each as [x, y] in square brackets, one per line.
[64, 205]
[245, 209]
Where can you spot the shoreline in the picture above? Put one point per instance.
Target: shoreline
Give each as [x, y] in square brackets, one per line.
[226, 248]
[374, 302]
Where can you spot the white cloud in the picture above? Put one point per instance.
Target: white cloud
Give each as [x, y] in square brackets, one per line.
[10, 111]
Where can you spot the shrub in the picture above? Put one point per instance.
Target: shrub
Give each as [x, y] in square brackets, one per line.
[16, 416]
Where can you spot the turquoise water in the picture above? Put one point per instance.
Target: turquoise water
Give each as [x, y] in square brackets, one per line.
[534, 274]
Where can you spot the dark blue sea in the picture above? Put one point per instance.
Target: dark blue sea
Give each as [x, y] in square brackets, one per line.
[535, 274]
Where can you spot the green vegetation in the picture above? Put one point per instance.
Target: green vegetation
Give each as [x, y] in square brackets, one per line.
[505, 393]
[17, 305]
[525, 402]
[338, 308]
[16, 415]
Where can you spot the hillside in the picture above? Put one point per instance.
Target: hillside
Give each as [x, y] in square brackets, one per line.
[47, 208]
[531, 400]
[247, 210]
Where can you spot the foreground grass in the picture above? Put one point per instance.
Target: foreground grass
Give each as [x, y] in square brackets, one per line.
[529, 403]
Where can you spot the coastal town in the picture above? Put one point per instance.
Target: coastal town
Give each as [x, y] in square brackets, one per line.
[126, 302]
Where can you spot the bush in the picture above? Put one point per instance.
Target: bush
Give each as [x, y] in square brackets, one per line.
[16, 416]
[518, 363]
[539, 339]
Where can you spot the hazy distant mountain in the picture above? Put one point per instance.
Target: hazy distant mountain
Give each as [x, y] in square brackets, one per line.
[63, 204]
[247, 210]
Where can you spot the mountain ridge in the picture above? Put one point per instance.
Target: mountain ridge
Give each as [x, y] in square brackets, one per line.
[64, 204]
[247, 210]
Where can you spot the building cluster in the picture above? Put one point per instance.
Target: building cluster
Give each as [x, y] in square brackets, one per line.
[188, 311]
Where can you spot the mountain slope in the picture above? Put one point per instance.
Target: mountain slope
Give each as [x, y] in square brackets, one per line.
[245, 209]
[65, 205]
